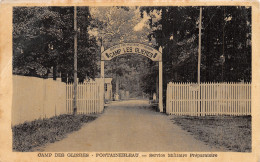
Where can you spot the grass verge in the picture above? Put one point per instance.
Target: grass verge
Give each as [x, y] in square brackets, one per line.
[33, 134]
[229, 132]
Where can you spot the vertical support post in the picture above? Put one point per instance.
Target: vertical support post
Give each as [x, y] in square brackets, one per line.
[102, 76]
[160, 83]
[199, 49]
[199, 62]
[75, 63]
[157, 88]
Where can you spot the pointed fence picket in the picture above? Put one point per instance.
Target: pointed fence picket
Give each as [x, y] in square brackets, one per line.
[208, 99]
[88, 97]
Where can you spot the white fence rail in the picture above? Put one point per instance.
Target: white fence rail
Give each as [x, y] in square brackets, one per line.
[35, 98]
[88, 97]
[208, 99]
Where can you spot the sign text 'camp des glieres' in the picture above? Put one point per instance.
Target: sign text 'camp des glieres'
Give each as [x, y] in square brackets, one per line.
[131, 48]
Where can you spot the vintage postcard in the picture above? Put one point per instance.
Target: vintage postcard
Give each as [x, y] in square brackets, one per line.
[129, 81]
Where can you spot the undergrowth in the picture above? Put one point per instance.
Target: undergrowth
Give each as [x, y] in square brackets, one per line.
[33, 134]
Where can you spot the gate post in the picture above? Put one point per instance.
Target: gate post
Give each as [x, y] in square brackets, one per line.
[160, 83]
[102, 76]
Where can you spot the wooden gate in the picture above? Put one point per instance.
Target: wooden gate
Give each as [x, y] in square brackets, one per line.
[88, 98]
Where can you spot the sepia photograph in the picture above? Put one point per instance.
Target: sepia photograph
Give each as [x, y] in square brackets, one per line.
[131, 79]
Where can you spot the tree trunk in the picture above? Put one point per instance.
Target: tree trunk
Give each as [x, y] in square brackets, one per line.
[175, 76]
[157, 88]
[117, 85]
[54, 72]
[63, 77]
[47, 74]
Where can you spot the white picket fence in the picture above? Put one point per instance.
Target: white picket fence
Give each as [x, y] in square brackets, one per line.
[88, 97]
[35, 98]
[208, 99]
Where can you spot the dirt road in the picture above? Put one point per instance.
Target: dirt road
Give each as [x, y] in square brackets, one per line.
[129, 126]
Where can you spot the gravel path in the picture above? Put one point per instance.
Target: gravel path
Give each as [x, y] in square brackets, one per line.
[129, 126]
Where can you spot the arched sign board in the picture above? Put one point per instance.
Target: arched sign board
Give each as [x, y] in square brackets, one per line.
[131, 48]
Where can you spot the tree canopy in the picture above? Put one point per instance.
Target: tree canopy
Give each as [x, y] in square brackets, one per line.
[43, 42]
[116, 25]
[226, 42]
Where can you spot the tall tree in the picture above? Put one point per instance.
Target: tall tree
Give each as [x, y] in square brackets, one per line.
[226, 42]
[43, 42]
[118, 25]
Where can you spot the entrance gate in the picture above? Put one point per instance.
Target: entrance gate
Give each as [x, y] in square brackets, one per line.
[132, 48]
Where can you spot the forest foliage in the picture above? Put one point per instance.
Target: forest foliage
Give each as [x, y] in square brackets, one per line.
[43, 43]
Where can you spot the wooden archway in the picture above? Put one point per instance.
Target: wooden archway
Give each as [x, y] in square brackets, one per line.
[133, 48]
